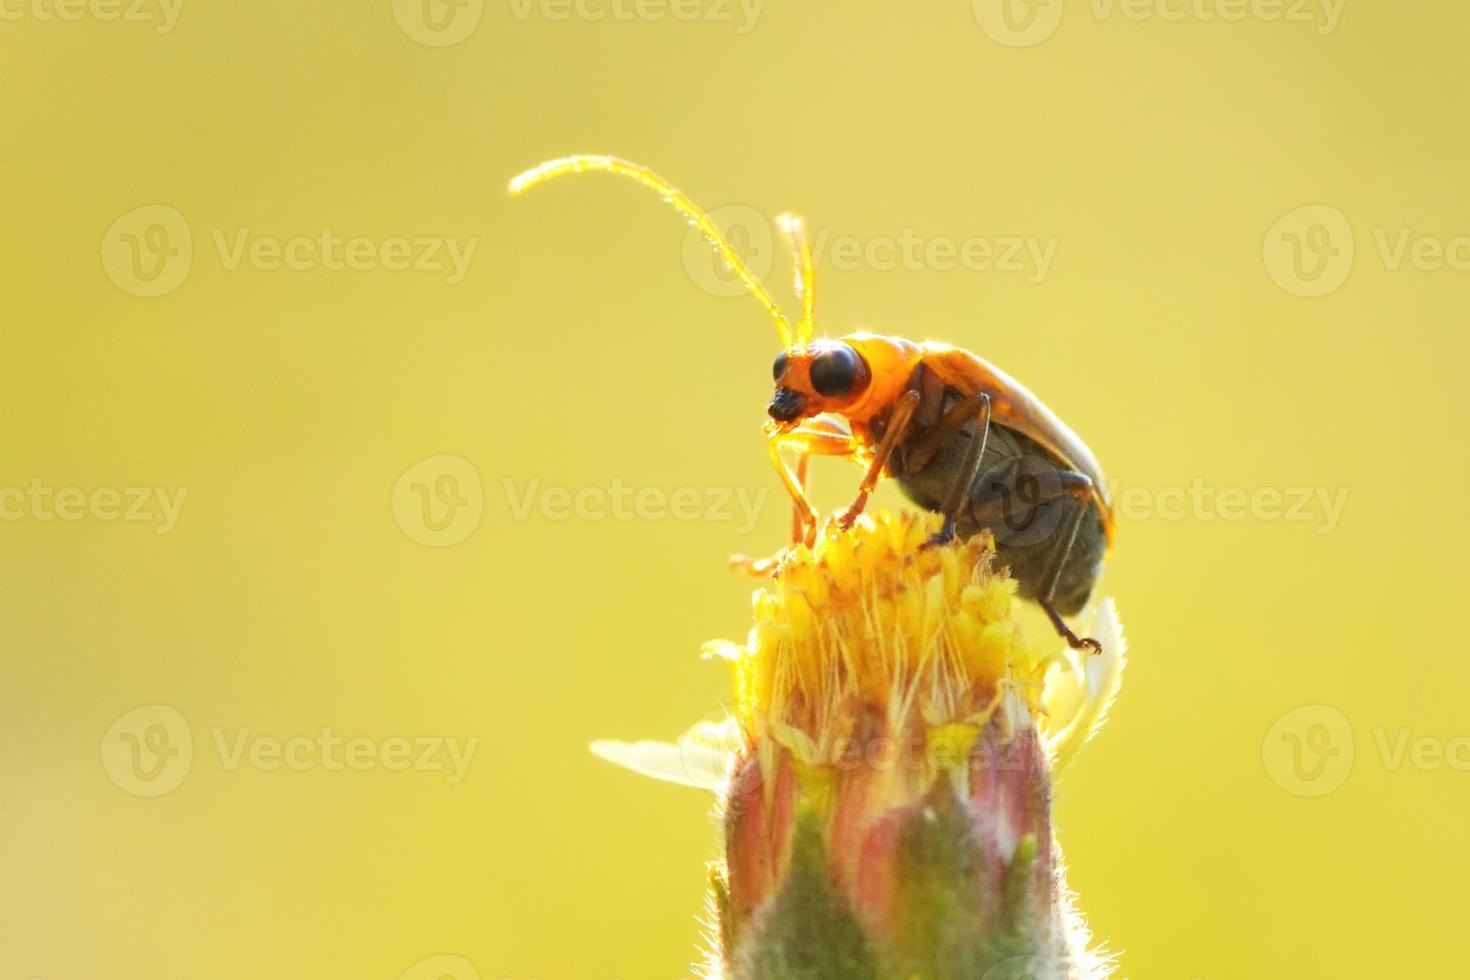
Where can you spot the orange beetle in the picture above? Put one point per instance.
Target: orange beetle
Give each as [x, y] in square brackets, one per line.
[960, 436]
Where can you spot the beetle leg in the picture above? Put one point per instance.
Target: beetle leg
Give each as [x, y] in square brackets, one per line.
[816, 435]
[803, 473]
[1079, 487]
[812, 437]
[918, 456]
[898, 425]
[978, 403]
[805, 514]
[1065, 632]
[755, 567]
[820, 435]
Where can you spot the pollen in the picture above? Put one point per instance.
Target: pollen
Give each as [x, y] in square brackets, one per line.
[884, 779]
[871, 632]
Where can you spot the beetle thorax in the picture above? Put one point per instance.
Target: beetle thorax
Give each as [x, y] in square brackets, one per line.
[892, 361]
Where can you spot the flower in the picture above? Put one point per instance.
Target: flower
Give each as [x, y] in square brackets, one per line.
[885, 777]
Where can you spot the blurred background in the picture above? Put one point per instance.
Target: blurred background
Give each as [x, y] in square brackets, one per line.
[346, 499]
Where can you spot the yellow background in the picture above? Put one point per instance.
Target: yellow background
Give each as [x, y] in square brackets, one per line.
[580, 349]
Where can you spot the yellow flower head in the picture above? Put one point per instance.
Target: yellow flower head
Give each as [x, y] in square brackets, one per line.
[885, 776]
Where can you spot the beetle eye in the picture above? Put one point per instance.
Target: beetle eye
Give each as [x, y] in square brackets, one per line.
[834, 370]
[780, 366]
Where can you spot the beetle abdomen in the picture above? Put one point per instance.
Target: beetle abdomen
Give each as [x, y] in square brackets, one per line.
[1021, 496]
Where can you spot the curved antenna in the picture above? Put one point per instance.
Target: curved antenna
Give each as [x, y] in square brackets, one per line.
[805, 277]
[623, 168]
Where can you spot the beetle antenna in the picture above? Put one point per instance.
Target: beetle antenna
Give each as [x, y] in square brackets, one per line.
[623, 168]
[804, 273]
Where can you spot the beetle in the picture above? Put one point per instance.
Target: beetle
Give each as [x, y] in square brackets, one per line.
[959, 435]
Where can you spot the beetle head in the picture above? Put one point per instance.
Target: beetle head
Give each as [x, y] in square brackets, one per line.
[826, 376]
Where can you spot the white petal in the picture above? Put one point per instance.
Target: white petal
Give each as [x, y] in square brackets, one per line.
[701, 758]
[1064, 694]
[1103, 674]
